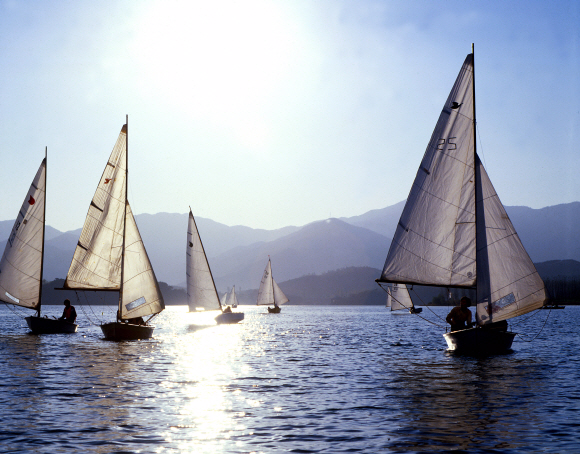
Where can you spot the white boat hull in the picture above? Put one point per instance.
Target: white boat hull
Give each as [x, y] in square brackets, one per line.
[229, 317]
[125, 331]
[39, 325]
[479, 341]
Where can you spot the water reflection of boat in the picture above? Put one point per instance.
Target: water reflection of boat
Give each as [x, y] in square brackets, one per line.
[110, 254]
[454, 232]
[269, 292]
[22, 263]
[398, 299]
[552, 306]
[201, 290]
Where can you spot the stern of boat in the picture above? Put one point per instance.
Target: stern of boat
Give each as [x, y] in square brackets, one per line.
[479, 341]
[126, 331]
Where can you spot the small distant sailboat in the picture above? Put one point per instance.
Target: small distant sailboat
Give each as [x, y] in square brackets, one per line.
[22, 263]
[269, 292]
[398, 298]
[201, 290]
[233, 300]
[110, 254]
[454, 231]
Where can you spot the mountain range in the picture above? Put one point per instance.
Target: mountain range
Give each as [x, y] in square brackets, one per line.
[238, 254]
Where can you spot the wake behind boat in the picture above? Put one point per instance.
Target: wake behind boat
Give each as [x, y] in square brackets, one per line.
[454, 232]
[22, 264]
[110, 254]
[201, 289]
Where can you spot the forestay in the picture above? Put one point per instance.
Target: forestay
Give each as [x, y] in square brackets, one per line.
[96, 263]
[434, 242]
[201, 291]
[21, 264]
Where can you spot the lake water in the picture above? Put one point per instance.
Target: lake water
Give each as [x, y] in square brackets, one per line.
[309, 380]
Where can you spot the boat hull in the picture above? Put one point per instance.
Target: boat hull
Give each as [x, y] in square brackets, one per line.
[229, 318]
[125, 331]
[39, 325]
[274, 310]
[479, 341]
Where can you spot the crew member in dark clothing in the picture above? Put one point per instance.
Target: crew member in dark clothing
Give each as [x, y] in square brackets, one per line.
[69, 314]
[460, 317]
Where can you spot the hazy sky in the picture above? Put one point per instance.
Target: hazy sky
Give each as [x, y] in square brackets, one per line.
[274, 113]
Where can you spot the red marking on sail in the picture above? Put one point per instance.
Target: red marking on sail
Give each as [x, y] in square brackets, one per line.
[31, 201]
[107, 180]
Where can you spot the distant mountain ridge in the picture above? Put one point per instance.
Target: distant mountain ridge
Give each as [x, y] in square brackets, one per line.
[239, 254]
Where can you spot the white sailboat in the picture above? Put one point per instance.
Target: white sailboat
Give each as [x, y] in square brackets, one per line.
[398, 298]
[233, 300]
[269, 292]
[201, 290]
[454, 231]
[22, 263]
[110, 254]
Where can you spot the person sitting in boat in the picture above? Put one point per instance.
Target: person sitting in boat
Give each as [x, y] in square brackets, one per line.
[69, 314]
[460, 316]
[227, 310]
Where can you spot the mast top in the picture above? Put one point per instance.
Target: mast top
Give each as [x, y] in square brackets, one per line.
[472, 48]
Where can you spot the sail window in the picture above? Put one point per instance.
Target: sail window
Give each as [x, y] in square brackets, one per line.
[134, 304]
[13, 298]
[502, 302]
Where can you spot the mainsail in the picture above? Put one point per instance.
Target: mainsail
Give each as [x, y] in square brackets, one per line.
[269, 291]
[201, 290]
[454, 231]
[233, 300]
[398, 297]
[21, 264]
[110, 254]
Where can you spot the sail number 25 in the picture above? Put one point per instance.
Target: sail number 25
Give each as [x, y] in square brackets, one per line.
[452, 145]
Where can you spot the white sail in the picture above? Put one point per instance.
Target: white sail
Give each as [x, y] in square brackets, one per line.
[266, 290]
[508, 284]
[233, 300]
[279, 297]
[434, 242]
[201, 291]
[398, 297]
[21, 264]
[140, 291]
[224, 299]
[454, 231]
[96, 263]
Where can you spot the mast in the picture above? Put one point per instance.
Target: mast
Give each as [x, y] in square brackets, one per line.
[272, 280]
[125, 217]
[475, 179]
[43, 233]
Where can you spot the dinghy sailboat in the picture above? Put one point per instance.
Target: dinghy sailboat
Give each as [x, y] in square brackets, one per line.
[22, 264]
[398, 298]
[201, 290]
[233, 300]
[269, 292]
[454, 232]
[110, 254]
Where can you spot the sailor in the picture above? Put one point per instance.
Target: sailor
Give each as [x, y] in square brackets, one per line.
[460, 316]
[69, 314]
[227, 310]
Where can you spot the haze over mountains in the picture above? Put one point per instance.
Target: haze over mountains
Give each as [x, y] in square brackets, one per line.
[239, 254]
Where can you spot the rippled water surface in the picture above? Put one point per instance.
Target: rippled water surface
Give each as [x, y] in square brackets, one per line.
[311, 379]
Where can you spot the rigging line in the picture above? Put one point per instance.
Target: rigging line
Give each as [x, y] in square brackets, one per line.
[12, 307]
[428, 307]
[423, 318]
[480, 146]
[542, 329]
[82, 306]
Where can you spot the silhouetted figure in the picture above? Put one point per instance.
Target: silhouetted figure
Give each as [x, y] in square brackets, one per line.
[460, 316]
[69, 314]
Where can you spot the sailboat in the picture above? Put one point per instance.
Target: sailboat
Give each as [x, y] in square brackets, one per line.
[201, 290]
[269, 292]
[232, 300]
[454, 231]
[22, 263]
[110, 254]
[398, 298]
